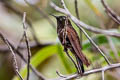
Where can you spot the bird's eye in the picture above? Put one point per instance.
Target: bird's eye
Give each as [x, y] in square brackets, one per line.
[64, 18]
[60, 19]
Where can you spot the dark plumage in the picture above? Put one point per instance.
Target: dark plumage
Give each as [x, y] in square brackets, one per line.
[70, 40]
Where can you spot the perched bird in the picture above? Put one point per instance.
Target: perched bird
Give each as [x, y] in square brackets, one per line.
[70, 40]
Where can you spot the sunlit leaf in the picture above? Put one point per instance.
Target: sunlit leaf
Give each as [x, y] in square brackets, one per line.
[39, 57]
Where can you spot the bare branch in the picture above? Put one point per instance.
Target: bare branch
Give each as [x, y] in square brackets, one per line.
[77, 15]
[4, 48]
[105, 50]
[110, 12]
[103, 77]
[28, 46]
[113, 48]
[76, 9]
[83, 25]
[73, 61]
[60, 75]
[38, 74]
[69, 77]
[16, 11]
[13, 56]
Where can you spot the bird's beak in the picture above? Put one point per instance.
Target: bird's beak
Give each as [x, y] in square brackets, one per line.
[54, 16]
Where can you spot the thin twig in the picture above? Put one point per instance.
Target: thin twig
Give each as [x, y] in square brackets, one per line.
[16, 11]
[4, 48]
[76, 9]
[113, 48]
[72, 61]
[105, 50]
[77, 15]
[60, 75]
[110, 12]
[83, 25]
[13, 56]
[112, 45]
[69, 77]
[103, 77]
[38, 74]
[95, 45]
[89, 38]
[28, 46]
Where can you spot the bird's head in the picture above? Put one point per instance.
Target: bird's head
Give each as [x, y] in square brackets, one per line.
[60, 19]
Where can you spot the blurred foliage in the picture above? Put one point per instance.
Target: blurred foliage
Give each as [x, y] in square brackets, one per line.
[49, 58]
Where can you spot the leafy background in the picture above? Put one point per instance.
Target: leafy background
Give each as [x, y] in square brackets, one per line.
[50, 56]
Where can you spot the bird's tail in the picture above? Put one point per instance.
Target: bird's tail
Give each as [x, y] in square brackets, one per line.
[79, 65]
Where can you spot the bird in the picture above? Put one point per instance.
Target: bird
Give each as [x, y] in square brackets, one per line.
[70, 41]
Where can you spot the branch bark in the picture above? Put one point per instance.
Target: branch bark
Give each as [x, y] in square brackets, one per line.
[27, 44]
[77, 15]
[13, 56]
[69, 77]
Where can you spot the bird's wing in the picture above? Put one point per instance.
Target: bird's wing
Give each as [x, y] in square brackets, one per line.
[74, 40]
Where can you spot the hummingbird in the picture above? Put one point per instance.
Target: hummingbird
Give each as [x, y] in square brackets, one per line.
[70, 41]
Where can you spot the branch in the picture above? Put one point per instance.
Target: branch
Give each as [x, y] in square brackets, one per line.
[110, 12]
[83, 25]
[38, 74]
[113, 48]
[28, 46]
[69, 77]
[116, 18]
[107, 53]
[13, 56]
[77, 15]
[60, 75]
[4, 48]
[16, 11]
[103, 77]
[76, 9]
[73, 61]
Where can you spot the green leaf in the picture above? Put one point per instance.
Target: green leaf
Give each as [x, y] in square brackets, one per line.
[39, 57]
[43, 54]
[100, 39]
